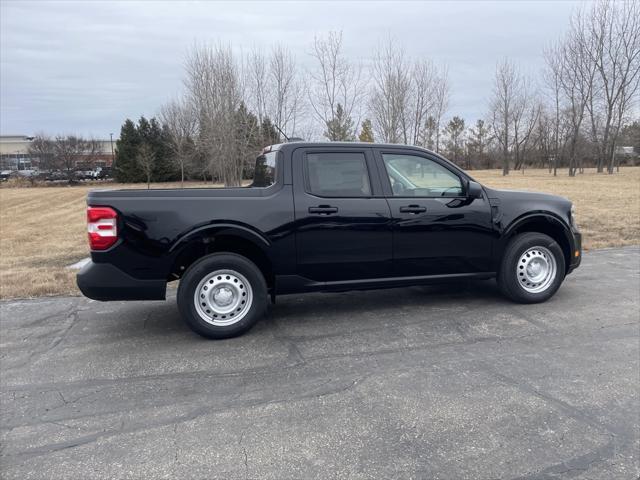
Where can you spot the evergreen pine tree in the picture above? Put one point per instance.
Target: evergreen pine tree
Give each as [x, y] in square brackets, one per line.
[126, 167]
[269, 133]
[455, 132]
[366, 131]
[340, 127]
[478, 141]
[429, 133]
[164, 170]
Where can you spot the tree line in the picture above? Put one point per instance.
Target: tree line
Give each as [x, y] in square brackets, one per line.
[572, 115]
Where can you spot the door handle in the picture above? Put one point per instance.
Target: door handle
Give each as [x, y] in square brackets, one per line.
[413, 209]
[323, 210]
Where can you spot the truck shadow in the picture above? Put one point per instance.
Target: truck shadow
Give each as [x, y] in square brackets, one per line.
[329, 309]
[346, 303]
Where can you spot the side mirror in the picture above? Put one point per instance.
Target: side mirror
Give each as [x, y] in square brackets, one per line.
[474, 189]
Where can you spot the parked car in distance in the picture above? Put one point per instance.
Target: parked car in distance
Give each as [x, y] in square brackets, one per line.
[56, 175]
[101, 173]
[26, 173]
[324, 217]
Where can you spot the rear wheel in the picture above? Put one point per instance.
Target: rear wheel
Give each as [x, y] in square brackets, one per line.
[533, 268]
[222, 295]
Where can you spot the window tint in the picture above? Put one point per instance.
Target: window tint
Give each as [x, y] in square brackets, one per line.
[265, 172]
[338, 175]
[413, 176]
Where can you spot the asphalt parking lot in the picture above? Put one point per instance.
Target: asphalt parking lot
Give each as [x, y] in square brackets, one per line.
[427, 382]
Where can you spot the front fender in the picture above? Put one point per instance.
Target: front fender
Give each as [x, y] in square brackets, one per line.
[530, 217]
[543, 222]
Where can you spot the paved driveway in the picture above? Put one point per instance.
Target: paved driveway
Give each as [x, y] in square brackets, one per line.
[448, 382]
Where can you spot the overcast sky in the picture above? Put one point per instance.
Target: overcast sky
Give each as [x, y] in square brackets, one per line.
[83, 67]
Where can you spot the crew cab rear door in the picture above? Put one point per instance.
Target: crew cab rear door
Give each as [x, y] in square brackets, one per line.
[343, 222]
[437, 228]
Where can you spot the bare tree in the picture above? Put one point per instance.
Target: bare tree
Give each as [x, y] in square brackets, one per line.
[257, 83]
[514, 114]
[390, 94]
[214, 86]
[526, 113]
[274, 88]
[423, 98]
[507, 81]
[42, 148]
[181, 122]
[404, 96]
[146, 159]
[613, 31]
[551, 77]
[286, 90]
[334, 81]
[69, 150]
[575, 71]
[442, 90]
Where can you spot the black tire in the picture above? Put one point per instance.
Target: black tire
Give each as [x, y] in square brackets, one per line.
[513, 281]
[201, 270]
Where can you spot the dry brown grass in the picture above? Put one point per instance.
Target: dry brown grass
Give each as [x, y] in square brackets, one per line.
[608, 206]
[42, 230]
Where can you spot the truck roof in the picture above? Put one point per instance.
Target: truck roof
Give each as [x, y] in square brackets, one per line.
[296, 144]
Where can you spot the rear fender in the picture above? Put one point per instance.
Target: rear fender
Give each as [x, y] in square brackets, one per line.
[221, 237]
[227, 229]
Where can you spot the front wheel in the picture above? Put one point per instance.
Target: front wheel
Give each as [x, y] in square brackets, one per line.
[222, 295]
[532, 268]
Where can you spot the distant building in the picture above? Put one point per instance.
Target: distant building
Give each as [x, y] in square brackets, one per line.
[627, 151]
[14, 154]
[626, 155]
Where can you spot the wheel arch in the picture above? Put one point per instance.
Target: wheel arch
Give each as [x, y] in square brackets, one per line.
[222, 238]
[546, 223]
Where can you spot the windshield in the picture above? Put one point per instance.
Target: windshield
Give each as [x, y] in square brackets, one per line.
[265, 172]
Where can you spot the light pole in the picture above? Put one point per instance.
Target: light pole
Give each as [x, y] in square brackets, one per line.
[113, 160]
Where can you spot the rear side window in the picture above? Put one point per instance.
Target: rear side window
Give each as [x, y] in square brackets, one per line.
[337, 175]
[265, 172]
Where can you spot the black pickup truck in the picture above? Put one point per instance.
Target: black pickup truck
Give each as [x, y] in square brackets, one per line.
[324, 217]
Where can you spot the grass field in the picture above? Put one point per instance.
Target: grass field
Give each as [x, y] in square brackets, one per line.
[42, 230]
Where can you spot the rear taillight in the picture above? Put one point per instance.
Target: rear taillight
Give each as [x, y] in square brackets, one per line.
[102, 225]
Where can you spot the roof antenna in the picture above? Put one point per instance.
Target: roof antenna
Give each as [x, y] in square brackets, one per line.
[283, 134]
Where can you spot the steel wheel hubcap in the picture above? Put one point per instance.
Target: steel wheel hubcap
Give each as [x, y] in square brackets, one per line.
[223, 297]
[536, 269]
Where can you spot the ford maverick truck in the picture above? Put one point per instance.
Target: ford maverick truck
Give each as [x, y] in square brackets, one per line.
[324, 217]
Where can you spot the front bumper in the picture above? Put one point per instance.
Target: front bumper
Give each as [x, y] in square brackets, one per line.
[577, 247]
[103, 281]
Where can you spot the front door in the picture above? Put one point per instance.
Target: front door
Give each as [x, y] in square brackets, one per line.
[437, 229]
[343, 223]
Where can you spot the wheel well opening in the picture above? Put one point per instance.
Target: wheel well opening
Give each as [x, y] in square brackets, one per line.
[550, 228]
[206, 245]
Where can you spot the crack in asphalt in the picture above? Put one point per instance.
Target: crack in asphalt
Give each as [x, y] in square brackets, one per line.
[198, 412]
[38, 354]
[577, 464]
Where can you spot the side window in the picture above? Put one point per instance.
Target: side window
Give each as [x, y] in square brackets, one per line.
[265, 171]
[413, 176]
[337, 175]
